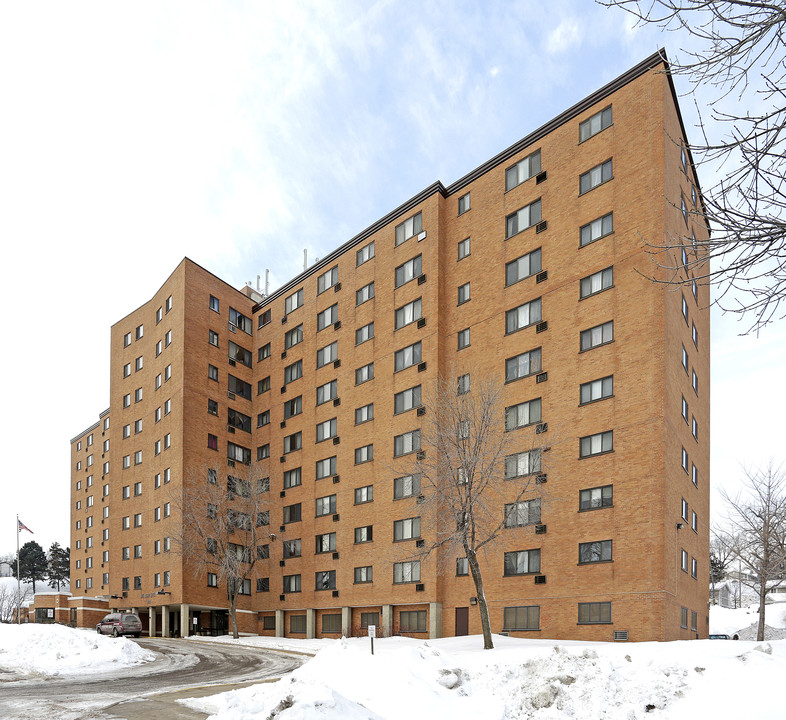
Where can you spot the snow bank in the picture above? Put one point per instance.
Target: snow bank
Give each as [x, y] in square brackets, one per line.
[49, 649]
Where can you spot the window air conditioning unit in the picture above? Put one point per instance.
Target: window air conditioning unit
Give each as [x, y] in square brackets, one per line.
[336, 440]
[421, 367]
[282, 563]
[335, 593]
[335, 556]
[282, 598]
[230, 395]
[337, 363]
[620, 635]
[541, 478]
[283, 354]
[541, 377]
[421, 411]
[422, 236]
[336, 479]
[337, 325]
[232, 362]
[542, 327]
[540, 579]
[420, 543]
[541, 276]
[421, 455]
[283, 493]
[336, 518]
[336, 402]
[541, 428]
[541, 226]
[337, 287]
[540, 529]
[420, 587]
[421, 279]
[540, 177]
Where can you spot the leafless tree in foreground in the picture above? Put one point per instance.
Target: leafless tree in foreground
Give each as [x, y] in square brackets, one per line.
[722, 545]
[473, 484]
[758, 518]
[742, 58]
[225, 527]
[11, 598]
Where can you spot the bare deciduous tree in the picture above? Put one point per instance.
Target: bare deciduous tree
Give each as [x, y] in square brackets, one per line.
[11, 598]
[722, 545]
[758, 518]
[473, 485]
[742, 59]
[225, 527]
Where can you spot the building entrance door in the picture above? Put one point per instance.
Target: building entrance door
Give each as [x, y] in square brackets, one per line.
[462, 621]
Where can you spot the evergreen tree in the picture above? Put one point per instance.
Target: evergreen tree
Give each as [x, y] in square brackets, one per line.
[32, 563]
[59, 565]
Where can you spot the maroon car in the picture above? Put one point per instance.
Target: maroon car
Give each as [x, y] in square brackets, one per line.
[117, 624]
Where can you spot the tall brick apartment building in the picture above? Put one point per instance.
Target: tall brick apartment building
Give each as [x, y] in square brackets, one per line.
[530, 269]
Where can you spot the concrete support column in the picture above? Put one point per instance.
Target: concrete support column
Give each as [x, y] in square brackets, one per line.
[151, 624]
[435, 620]
[346, 622]
[387, 621]
[311, 623]
[165, 621]
[279, 623]
[185, 625]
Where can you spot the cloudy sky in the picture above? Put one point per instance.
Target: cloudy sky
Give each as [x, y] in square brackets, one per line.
[241, 133]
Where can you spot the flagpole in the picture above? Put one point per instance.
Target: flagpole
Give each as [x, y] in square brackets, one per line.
[18, 579]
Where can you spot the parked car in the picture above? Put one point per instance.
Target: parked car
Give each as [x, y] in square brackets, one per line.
[117, 624]
[719, 636]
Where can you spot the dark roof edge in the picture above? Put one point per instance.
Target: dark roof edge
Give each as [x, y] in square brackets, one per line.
[84, 432]
[644, 66]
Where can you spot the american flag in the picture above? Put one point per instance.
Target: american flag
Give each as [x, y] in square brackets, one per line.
[22, 526]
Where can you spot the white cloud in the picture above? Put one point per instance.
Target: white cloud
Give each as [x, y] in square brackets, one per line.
[566, 36]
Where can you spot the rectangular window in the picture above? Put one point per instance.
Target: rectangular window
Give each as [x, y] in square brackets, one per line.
[364, 374]
[293, 372]
[325, 580]
[406, 572]
[522, 219]
[327, 317]
[238, 453]
[292, 585]
[365, 575]
[596, 390]
[523, 414]
[462, 339]
[406, 443]
[327, 392]
[684, 560]
[462, 566]
[596, 336]
[293, 478]
[238, 420]
[263, 451]
[327, 354]
[523, 267]
[595, 552]
[240, 321]
[523, 316]
[463, 249]
[597, 497]
[365, 254]
[364, 494]
[694, 570]
[523, 365]
[596, 444]
[409, 270]
[214, 304]
[212, 337]
[596, 176]
[412, 621]
[463, 204]
[293, 337]
[522, 562]
[364, 534]
[409, 228]
[594, 124]
[293, 407]
[365, 294]
[694, 428]
[327, 429]
[364, 334]
[326, 467]
[293, 302]
[463, 294]
[596, 230]
[594, 613]
[327, 280]
[293, 442]
[292, 513]
[238, 387]
[522, 464]
[326, 505]
[407, 529]
[524, 512]
[597, 282]
[694, 521]
[522, 171]
[364, 454]
[406, 486]
[684, 459]
[408, 356]
[325, 543]
[409, 313]
[522, 617]
[212, 372]
[694, 476]
[364, 414]
[292, 548]
[331, 623]
[406, 400]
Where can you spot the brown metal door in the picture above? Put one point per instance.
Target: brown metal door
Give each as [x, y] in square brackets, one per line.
[462, 621]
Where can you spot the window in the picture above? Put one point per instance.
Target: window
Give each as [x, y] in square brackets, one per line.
[523, 365]
[597, 282]
[364, 454]
[524, 512]
[137, 551]
[597, 336]
[406, 400]
[137, 493]
[269, 621]
[684, 359]
[293, 442]
[594, 124]
[238, 453]
[594, 613]
[327, 429]
[462, 566]
[138, 582]
[126, 553]
[291, 373]
[406, 572]
[158, 381]
[523, 617]
[364, 494]
[212, 337]
[595, 552]
[684, 508]
[238, 420]
[684, 306]
[263, 418]
[331, 623]
[462, 384]
[327, 354]
[293, 302]
[364, 294]
[291, 513]
[406, 486]
[409, 270]
[596, 176]
[137, 427]
[293, 337]
[523, 267]
[522, 316]
[126, 400]
[126, 339]
[522, 219]
[694, 475]
[596, 230]
[245, 357]
[522, 171]
[365, 254]
[694, 335]
[293, 407]
[364, 414]
[325, 543]
[596, 444]
[126, 461]
[364, 374]
[292, 584]
[327, 280]
[167, 441]
[365, 575]
[263, 451]
[694, 428]
[462, 339]
[463, 249]
[407, 529]
[238, 387]
[409, 313]
[463, 293]
[522, 562]
[463, 204]
[140, 331]
[327, 392]
[240, 321]
[326, 505]
[694, 571]
[597, 497]
[326, 467]
[596, 390]
[212, 372]
[168, 338]
[159, 348]
[292, 548]
[212, 580]
[138, 363]
[407, 357]
[684, 560]
[522, 464]
[325, 580]
[138, 520]
[214, 304]
[364, 534]
[327, 317]
[363, 334]
[684, 460]
[684, 409]
[127, 430]
[293, 478]
[406, 443]
[410, 227]
[412, 621]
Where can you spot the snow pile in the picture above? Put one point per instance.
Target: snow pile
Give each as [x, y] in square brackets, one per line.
[50, 649]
